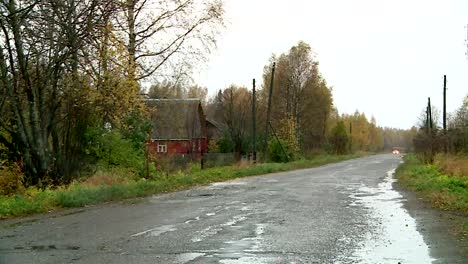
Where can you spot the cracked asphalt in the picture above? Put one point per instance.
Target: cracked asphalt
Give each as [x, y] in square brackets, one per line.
[346, 212]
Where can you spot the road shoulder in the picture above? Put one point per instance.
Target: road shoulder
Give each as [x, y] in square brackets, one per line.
[439, 228]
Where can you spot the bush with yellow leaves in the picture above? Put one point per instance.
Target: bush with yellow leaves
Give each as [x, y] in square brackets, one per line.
[11, 178]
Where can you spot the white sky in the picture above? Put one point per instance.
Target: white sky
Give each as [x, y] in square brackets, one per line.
[383, 57]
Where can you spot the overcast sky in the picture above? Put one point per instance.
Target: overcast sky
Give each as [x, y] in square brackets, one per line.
[382, 57]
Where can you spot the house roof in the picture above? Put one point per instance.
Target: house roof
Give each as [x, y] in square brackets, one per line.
[176, 119]
[218, 125]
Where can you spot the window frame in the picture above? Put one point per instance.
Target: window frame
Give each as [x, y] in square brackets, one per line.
[162, 148]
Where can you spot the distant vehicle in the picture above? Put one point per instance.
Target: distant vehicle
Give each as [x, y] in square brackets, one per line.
[396, 151]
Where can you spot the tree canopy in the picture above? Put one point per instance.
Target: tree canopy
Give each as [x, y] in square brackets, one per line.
[69, 73]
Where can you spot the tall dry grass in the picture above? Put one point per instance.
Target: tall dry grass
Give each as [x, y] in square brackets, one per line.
[109, 177]
[453, 165]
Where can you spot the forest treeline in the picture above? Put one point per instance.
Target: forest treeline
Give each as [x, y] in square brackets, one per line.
[303, 114]
[70, 89]
[432, 138]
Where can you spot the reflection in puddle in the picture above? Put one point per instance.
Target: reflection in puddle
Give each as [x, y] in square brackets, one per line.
[394, 237]
[229, 183]
[240, 251]
[192, 220]
[247, 260]
[213, 230]
[186, 257]
[156, 231]
[243, 251]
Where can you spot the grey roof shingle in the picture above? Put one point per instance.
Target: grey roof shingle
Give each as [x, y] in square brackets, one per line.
[176, 119]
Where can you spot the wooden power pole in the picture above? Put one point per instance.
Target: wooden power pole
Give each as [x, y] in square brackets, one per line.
[270, 94]
[429, 110]
[350, 137]
[444, 115]
[427, 119]
[254, 120]
[445, 104]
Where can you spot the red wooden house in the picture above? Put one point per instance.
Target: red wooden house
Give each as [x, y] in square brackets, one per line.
[179, 127]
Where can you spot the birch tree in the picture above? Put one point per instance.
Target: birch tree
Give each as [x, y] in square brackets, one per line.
[168, 33]
[39, 64]
[300, 94]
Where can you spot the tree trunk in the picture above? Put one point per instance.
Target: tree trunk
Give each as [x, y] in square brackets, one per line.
[131, 39]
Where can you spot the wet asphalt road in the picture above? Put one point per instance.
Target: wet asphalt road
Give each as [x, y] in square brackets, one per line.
[340, 213]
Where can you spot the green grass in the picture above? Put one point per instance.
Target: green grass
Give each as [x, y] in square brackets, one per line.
[78, 194]
[443, 191]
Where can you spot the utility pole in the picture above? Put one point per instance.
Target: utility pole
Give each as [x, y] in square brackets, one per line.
[265, 148]
[148, 144]
[445, 104]
[254, 137]
[427, 119]
[429, 108]
[444, 115]
[430, 134]
[350, 137]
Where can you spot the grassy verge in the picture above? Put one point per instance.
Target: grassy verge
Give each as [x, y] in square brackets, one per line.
[437, 184]
[80, 194]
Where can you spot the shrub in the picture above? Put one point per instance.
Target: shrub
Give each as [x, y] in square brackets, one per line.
[426, 145]
[339, 138]
[288, 133]
[11, 178]
[136, 128]
[113, 150]
[213, 146]
[170, 163]
[225, 144]
[280, 151]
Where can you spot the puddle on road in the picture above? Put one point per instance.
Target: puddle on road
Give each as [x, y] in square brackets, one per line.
[228, 183]
[187, 257]
[213, 230]
[240, 251]
[247, 260]
[271, 181]
[156, 231]
[244, 250]
[394, 237]
[192, 220]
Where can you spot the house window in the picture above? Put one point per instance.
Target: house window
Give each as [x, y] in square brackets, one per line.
[162, 148]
